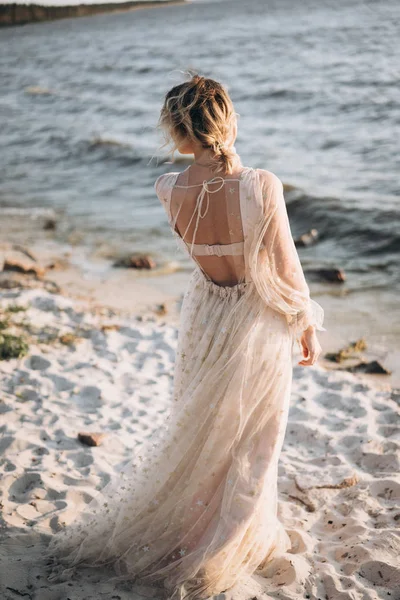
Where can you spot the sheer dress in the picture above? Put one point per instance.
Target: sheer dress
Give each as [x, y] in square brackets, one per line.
[195, 509]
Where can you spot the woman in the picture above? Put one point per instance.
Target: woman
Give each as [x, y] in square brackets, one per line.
[197, 509]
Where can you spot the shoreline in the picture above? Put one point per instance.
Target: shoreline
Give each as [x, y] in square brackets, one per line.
[23, 14]
[82, 276]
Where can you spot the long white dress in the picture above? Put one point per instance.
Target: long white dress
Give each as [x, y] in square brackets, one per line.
[196, 508]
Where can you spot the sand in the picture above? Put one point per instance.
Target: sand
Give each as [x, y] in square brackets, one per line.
[339, 484]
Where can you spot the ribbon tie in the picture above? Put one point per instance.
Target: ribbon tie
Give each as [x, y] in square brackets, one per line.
[205, 191]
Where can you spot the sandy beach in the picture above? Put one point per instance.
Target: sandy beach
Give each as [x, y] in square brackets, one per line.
[101, 369]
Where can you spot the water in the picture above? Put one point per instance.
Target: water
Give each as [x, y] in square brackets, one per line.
[317, 89]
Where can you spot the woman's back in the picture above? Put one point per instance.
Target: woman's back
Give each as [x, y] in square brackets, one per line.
[208, 216]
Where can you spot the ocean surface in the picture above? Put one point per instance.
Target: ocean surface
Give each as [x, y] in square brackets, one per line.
[316, 85]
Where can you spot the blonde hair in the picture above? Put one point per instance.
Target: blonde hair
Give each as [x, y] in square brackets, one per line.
[200, 110]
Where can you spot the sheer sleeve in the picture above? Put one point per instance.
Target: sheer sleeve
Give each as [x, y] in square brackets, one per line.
[275, 265]
[161, 187]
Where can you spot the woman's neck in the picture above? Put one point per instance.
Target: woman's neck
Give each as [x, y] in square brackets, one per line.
[204, 156]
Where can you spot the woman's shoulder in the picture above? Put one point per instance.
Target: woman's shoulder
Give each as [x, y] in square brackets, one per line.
[164, 182]
[166, 177]
[268, 178]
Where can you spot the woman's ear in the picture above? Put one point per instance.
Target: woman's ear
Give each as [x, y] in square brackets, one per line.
[185, 147]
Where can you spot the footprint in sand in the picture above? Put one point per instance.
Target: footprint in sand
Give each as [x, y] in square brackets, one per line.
[388, 417]
[300, 541]
[355, 555]
[385, 491]
[131, 333]
[388, 431]
[88, 399]
[301, 433]
[380, 463]
[20, 489]
[80, 460]
[332, 587]
[37, 363]
[286, 571]
[334, 423]
[61, 384]
[381, 574]
[9, 466]
[26, 393]
[349, 441]
[346, 404]
[5, 442]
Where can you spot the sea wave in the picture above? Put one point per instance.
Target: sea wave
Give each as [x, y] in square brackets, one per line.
[368, 231]
[33, 212]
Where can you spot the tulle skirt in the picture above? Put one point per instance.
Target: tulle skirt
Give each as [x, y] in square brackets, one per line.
[195, 509]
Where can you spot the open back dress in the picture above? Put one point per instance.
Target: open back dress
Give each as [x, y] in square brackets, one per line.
[195, 509]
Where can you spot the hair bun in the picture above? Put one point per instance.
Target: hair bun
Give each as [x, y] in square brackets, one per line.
[205, 87]
[198, 79]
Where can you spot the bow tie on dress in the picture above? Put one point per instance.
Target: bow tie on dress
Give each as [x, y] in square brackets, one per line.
[205, 191]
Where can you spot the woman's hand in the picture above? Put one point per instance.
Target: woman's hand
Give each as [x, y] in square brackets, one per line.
[310, 346]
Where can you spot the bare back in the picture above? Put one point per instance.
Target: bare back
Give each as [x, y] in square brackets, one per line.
[205, 212]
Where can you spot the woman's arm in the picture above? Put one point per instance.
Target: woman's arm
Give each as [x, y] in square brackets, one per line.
[279, 271]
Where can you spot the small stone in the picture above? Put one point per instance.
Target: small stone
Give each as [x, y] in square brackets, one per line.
[91, 439]
[136, 261]
[111, 327]
[332, 275]
[348, 351]
[69, 339]
[307, 239]
[161, 309]
[50, 225]
[373, 367]
[22, 267]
